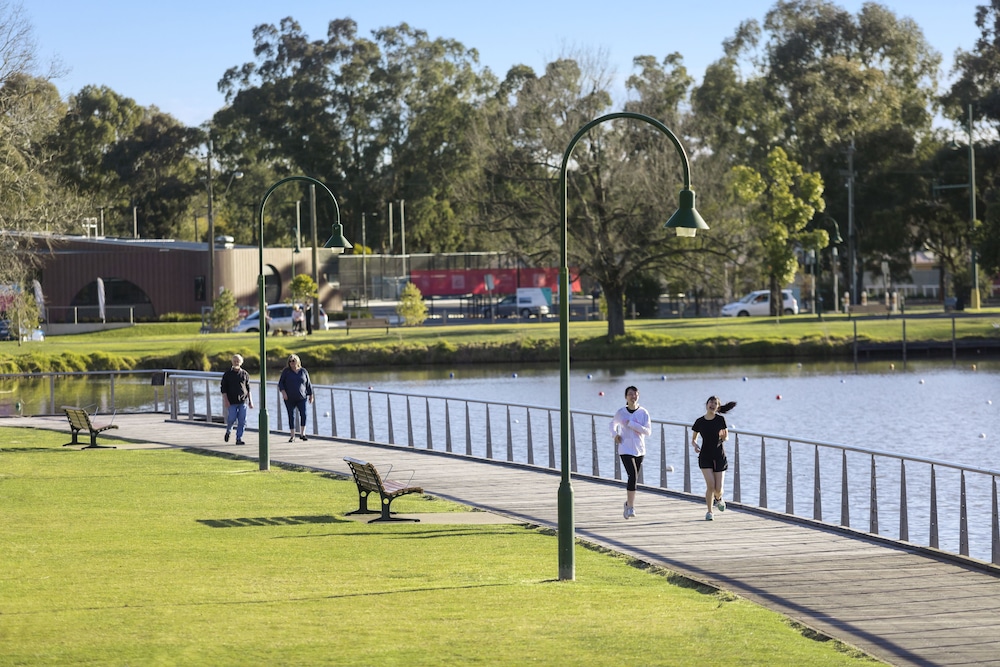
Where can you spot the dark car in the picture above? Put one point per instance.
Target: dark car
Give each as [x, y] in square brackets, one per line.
[5, 332]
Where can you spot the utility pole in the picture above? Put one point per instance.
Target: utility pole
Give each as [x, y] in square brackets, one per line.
[852, 250]
[210, 280]
[975, 303]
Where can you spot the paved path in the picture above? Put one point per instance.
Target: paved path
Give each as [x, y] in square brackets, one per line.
[901, 605]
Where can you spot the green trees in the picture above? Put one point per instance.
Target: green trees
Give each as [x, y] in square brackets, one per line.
[411, 307]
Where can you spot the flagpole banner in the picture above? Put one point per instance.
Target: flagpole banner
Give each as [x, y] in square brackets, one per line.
[100, 298]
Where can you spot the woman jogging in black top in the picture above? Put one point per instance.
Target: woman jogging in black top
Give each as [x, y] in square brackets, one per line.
[711, 454]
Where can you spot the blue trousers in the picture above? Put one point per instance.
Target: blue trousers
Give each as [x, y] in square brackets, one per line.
[237, 413]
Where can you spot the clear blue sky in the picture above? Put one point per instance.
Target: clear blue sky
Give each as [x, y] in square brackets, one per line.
[172, 54]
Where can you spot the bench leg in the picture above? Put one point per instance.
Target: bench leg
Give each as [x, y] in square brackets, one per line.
[93, 443]
[75, 431]
[387, 515]
[362, 504]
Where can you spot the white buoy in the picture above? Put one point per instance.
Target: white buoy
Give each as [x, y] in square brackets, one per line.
[982, 435]
[326, 414]
[921, 381]
[513, 375]
[663, 377]
[670, 468]
[589, 376]
[517, 421]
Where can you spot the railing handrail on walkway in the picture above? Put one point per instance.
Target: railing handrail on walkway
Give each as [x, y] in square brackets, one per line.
[489, 426]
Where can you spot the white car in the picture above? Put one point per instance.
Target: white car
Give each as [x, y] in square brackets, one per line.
[759, 303]
[280, 316]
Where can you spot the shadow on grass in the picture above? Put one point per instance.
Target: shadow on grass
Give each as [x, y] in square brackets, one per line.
[247, 522]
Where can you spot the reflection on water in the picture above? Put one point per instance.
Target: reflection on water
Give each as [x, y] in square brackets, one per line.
[927, 409]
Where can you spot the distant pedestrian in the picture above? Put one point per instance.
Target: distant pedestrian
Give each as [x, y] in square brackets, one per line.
[712, 454]
[630, 426]
[296, 390]
[236, 398]
[309, 319]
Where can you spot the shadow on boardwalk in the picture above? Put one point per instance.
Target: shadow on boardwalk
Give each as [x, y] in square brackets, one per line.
[902, 605]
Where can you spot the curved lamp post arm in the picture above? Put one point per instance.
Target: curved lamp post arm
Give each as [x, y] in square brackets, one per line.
[337, 241]
[686, 221]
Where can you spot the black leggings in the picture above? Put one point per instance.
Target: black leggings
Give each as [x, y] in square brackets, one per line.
[291, 406]
[631, 465]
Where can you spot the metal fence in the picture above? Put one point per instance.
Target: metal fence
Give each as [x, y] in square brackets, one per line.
[917, 501]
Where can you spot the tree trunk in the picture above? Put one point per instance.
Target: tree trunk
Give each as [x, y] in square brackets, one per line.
[777, 299]
[614, 295]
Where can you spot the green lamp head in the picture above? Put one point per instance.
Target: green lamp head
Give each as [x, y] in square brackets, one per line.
[686, 220]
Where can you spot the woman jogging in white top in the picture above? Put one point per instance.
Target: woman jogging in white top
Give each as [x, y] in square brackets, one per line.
[630, 427]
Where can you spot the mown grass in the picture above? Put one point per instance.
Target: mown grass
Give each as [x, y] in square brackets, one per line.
[179, 345]
[143, 557]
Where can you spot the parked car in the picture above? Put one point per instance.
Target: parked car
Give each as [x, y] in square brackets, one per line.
[528, 302]
[6, 333]
[759, 303]
[280, 317]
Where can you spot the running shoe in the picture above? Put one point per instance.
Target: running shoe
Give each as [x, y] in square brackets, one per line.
[625, 513]
[709, 517]
[720, 504]
[303, 437]
[631, 512]
[226, 436]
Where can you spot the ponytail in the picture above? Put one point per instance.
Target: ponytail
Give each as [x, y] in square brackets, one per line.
[723, 409]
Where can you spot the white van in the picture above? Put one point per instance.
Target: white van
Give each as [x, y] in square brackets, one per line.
[528, 302]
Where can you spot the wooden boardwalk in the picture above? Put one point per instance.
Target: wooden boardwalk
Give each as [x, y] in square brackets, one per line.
[903, 605]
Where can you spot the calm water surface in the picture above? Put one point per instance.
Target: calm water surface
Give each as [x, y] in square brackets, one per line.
[929, 409]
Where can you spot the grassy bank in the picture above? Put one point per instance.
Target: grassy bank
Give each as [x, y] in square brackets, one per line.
[179, 345]
[147, 556]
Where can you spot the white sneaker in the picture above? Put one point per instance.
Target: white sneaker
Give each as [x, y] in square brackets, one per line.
[625, 513]
[709, 517]
[720, 504]
[631, 512]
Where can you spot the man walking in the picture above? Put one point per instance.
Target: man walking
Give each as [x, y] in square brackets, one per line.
[236, 398]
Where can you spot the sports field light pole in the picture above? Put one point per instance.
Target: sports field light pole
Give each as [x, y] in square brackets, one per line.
[686, 221]
[338, 244]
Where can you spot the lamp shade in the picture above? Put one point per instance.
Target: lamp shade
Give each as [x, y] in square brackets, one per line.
[686, 220]
[337, 242]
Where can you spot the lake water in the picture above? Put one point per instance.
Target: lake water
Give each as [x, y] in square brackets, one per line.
[930, 410]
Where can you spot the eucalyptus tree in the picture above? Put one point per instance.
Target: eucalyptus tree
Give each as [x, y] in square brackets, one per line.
[622, 178]
[133, 163]
[379, 119]
[977, 84]
[818, 81]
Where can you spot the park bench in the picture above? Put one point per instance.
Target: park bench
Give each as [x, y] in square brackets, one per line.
[868, 309]
[369, 481]
[79, 420]
[367, 323]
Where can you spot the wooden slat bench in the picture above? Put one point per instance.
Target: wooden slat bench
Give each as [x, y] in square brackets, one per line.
[79, 420]
[369, 481]
[368, 323]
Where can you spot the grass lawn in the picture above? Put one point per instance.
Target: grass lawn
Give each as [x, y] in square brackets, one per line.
[166, 557]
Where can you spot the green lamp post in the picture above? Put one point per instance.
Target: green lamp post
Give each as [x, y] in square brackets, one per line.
[686, 221]
[338, 244]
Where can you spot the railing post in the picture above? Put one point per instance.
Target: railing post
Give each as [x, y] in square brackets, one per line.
[52, 394]
[934, 516]
[572, 440]
[873, 502]
[789, 487]
[594, 463]
[663, 456]
[817, 490]
[845, 494]
[552, 444]
[963, 525]
[427, 413]
[510, 438]
[447, 427]
[333, 415]
[687, 462]
[904, 517]
[468, 431]
[350, 407]
[315, 421]
[388, 419]
[489, 434]
[190, 388]
[208, 401]
[996, 526]
[530, 440]
[371, 419]
[409, 424]
[737, 485]
[763, 474]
